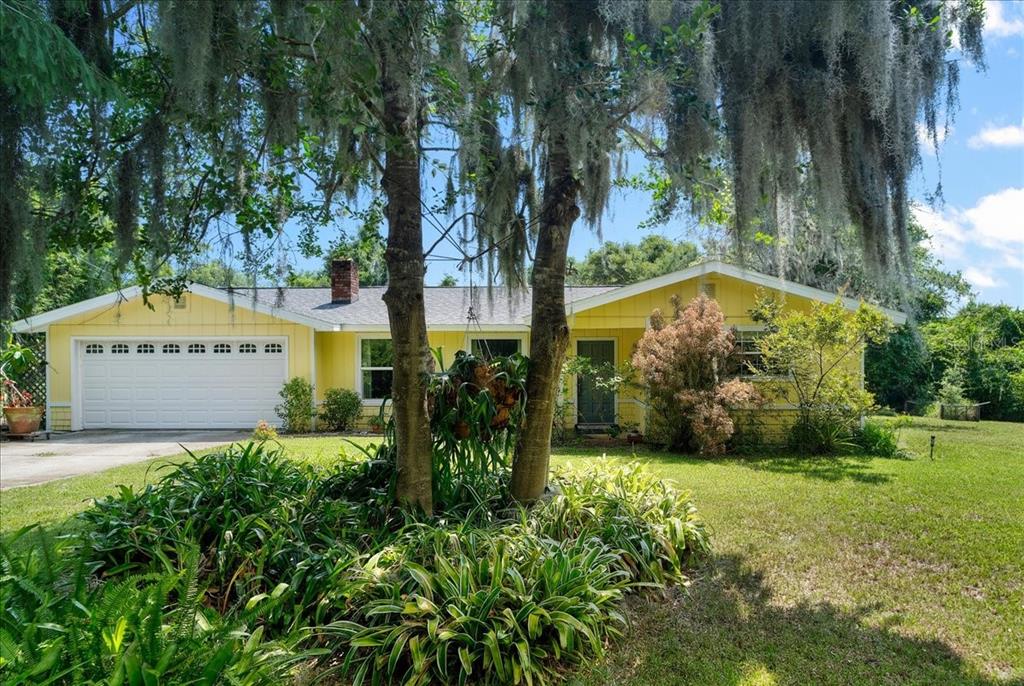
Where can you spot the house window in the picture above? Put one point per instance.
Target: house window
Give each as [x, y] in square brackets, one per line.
[488, 348]
[180, 303]
[746, 357]
[709, 289]
[94, 349]
[247, 348]
[119, 349]
[376, 359]
[196, 348]
[171, 348]
[273, 349]
[145, 348]
[221, 348]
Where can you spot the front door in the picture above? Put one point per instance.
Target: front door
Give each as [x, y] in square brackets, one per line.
[595, 405]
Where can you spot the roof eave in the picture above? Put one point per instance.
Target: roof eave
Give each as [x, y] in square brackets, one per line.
[40, 322]
[725, 269]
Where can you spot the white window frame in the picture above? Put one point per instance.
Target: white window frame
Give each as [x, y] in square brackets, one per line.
[501, 335]
[748, 328]
[372, 402]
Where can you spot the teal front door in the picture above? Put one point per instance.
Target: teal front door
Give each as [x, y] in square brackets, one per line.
[595, 405]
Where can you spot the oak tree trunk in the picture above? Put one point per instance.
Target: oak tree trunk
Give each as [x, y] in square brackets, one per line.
[404, 295]
[549, 329]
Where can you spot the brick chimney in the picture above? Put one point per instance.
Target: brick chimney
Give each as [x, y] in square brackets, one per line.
[344, 281]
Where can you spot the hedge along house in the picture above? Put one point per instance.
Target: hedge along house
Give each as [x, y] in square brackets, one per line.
[217, 358]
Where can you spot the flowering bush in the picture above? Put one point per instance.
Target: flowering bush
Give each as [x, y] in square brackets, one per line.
[681, 364]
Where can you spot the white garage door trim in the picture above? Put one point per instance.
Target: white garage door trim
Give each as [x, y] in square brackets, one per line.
[78, 344]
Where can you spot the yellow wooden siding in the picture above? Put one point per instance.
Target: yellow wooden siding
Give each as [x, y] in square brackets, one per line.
[199, 317]
[336, 353]
[625, 321]
[337, 359]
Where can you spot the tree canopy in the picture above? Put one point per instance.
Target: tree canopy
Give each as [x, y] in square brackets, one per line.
[624, 263]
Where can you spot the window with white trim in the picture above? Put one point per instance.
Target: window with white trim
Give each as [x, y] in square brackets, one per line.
[196, 348]
[171, 348]
[247, 348]
[273, 348]
[145, 348]
[489, 348]
[376, 367]
[746, 356]
[94, 349]
[221, 348]
[120, 349]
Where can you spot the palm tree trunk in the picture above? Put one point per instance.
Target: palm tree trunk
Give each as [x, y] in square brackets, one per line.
[549, 329]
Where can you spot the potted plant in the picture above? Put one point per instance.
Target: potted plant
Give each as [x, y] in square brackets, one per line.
[22, 415]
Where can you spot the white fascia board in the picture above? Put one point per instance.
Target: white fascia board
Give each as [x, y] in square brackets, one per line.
[39, 322]
[719, 267]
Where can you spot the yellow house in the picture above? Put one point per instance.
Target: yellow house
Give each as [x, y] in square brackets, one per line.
[217, 358]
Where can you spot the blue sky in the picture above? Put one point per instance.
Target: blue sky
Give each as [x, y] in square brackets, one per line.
[978, 229]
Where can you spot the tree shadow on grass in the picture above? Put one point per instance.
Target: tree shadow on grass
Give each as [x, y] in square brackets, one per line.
[833, 468]
[726, 629]
[860, 468]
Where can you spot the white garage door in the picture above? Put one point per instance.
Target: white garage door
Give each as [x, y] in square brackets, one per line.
[180, 383]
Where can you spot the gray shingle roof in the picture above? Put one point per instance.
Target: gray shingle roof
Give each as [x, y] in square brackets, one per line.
[446, 306]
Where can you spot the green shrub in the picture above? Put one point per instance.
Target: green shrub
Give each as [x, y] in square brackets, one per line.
[519, 599]
[58, 624]
[498, 606]
[489, 591]
[653, 527]
[882, 440]
[296, 407]
[260, 519]
[340, 409]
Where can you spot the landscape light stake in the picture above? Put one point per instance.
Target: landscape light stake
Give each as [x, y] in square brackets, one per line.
[931, 451]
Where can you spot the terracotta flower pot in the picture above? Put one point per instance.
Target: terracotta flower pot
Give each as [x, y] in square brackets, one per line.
[23, 420]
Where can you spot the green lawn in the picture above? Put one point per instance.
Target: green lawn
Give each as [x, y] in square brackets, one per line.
[827, 571]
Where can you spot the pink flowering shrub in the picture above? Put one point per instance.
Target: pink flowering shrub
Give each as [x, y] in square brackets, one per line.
[680, 363]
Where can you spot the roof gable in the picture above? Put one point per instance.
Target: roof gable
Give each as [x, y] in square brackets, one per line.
[724, 269]
[39, 322]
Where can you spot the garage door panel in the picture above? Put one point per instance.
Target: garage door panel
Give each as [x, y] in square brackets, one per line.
[178, 390]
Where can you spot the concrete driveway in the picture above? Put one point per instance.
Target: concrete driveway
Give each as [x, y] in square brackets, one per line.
[23, 463]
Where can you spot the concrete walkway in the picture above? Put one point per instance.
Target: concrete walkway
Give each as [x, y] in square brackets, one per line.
[23, 463]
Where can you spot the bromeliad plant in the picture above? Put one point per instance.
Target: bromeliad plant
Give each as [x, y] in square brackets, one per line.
[476, 410]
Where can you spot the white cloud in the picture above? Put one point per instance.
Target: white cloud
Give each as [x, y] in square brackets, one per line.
[947, 237]
[980, 278]
[985, 241]
[998, 219]
[992, 136]
[998, 24]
